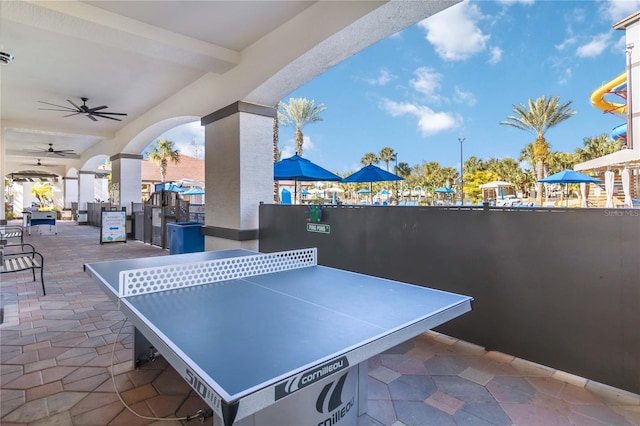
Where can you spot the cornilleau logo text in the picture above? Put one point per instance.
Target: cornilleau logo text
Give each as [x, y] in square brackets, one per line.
[310, 377]
[330, 401]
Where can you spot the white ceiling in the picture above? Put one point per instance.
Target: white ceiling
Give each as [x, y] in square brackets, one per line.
[140, 57]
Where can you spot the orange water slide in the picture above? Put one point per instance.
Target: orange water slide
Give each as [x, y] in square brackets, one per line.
[617, 86]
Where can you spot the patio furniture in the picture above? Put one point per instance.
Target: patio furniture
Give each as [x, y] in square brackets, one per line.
[12, 232]
[39, 218]
[14, 258]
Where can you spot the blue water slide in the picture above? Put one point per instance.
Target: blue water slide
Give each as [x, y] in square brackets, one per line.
[619, 132]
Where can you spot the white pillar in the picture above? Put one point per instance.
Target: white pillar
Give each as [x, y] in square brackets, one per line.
[238, 173]
[126, 179]
[86, 193]
[70, 190]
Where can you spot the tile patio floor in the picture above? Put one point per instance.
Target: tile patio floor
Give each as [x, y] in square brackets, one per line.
[56, 355]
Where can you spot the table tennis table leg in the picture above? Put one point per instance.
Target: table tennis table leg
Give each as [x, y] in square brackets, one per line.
[143, 351]
[363, 380]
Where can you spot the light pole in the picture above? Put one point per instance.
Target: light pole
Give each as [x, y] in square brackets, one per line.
[629, 95]
[461, 173]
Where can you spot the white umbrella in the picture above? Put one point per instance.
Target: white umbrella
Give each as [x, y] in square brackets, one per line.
[626, 184]
[334, 189]
[608, 186]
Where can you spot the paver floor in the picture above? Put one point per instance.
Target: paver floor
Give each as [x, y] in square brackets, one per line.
[58, 353]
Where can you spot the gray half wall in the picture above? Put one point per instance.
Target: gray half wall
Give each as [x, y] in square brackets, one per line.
[560, 288]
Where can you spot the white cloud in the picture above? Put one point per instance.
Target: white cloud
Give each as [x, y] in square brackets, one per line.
[496, 55]
[429, 122]
[289, 147]
[566, 43]
[383, 78]
[427, 82]
[565, 77]
[184, 137]
[463, 97]
[454, 32]
[595, 47]
[510, 2]
[616, 10]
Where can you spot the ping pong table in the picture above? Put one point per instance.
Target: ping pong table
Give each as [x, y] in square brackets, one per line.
[270, 338]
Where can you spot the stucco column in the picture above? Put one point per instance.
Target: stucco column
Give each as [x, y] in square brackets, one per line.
[238, 173]
[70, 190]
[126, 179]
[86, 193]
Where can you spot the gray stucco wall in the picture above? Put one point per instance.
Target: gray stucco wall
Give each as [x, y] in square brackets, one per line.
[557, 287]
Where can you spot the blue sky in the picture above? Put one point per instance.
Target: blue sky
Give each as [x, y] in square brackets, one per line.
[458, 74]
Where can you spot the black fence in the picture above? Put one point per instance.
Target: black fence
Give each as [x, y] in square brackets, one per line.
[560, 287]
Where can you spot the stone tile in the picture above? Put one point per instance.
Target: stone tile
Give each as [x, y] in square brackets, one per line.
[99, 416]
[577, 395]
[11, 399]
[377, 390]
[463, 389]
[43, 391]
[528, 368]
[92, 401]
[382, 411]
[165, 405]
[546, 385]
[60, 419]
[25, 381]
[384, 374]
[28, 412]
[511, 389]
[570, 378]
[412, 388]
[492, 413]
[630, 413]
[444, 402]
[39, 365]
[403, 365]
[601, 413]
[440, 365]
[138, 394]
[611, 395]
[88, 384]
[169, 382]
[476, 376]
[533, 415]
[56, 373]
[417, 413]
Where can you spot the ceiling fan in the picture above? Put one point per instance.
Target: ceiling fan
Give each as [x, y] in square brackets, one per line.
[38, 164]
[58, 152]
[92, 113]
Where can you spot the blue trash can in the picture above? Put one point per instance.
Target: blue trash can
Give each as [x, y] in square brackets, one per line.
[185, 237]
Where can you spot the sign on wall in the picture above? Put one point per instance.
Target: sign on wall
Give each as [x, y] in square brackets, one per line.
[113, 226]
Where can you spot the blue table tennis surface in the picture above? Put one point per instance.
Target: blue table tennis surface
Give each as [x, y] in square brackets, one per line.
[251, 333]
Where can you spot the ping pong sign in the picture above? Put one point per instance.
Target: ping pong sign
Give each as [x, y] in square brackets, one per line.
[319, 228]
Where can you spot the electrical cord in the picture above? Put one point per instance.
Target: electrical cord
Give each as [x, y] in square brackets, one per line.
[200, 414]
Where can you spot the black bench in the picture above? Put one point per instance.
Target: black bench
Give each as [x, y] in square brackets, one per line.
[14, 258]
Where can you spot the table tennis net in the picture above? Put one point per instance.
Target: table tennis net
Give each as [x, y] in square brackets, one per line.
[168, 277]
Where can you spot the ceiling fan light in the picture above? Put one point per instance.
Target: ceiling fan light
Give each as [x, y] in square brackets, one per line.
[5, 57]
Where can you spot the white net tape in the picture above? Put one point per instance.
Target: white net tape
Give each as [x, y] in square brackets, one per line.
[160, 278]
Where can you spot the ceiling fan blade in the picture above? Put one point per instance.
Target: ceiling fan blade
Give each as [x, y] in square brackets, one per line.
[55, 105]
[75, 113]
[90, 110]
[91, 117]
[75, 106]
[109, 113]
[61, 110]
[105, 116]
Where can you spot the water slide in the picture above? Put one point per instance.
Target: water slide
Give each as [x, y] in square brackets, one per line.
[616, 87]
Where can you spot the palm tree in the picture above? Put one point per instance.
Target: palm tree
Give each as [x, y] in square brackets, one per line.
[386, 155]
[369, 158]
[298, 112]
[596, 147]
[538, 117]
[276, 155]
[161, 151]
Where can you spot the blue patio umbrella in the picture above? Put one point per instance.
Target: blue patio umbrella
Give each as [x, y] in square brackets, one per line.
[443, 190]
[569, 176]
[300, 169]
[371, 174]
[173, 187]
[194, 191]
[363, 191]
